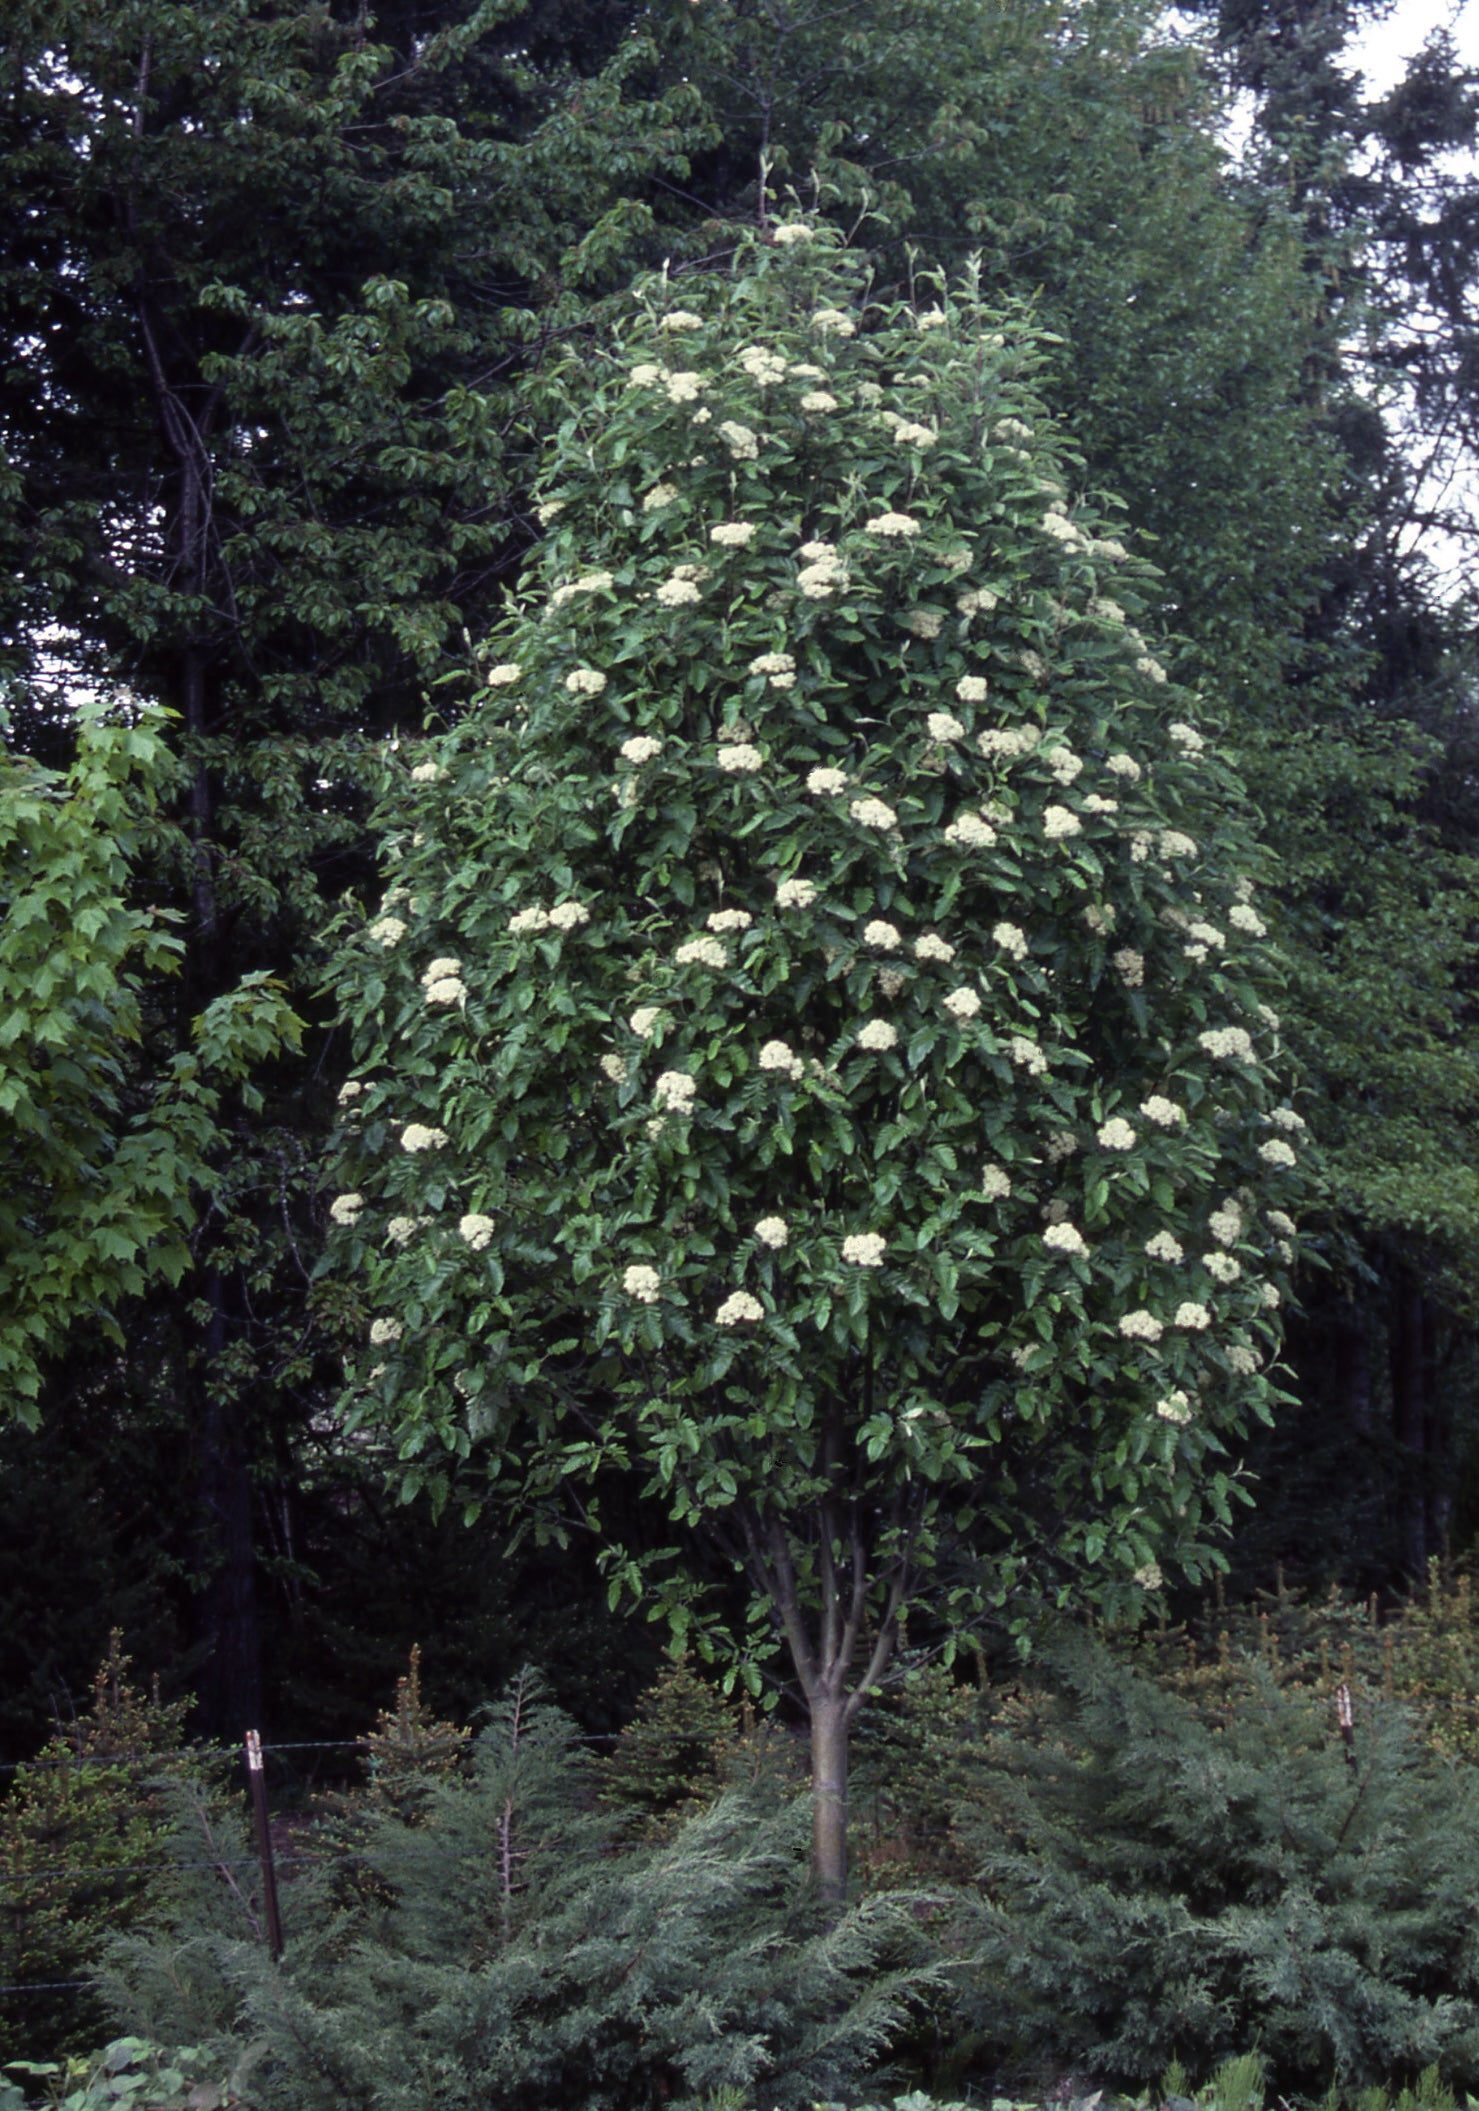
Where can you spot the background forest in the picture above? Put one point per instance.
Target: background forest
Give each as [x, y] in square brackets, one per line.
[280, 289]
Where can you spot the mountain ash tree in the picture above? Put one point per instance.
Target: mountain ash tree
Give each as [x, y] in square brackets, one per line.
[814, 1050]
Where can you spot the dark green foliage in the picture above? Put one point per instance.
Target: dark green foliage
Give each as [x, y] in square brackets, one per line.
[669, 1757]
[1156, 1884]
[509, 1954]
[82, 1840]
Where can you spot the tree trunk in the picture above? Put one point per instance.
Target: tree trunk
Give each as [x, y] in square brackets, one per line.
[1409, 1369]
[229, 1622]
[829, 1795]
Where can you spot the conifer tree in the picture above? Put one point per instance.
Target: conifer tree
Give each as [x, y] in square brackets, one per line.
[815, 1046]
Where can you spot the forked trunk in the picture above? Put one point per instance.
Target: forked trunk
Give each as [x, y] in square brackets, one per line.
[829, 1795]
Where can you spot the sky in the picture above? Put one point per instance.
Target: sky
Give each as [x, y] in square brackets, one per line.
[1381, 52]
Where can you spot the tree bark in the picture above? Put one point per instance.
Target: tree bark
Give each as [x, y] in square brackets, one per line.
[829, 1726]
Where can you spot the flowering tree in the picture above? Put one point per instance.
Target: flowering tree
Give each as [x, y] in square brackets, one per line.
[813, 1049]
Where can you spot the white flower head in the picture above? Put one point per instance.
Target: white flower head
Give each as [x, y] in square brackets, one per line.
[1283, 1224]
[742, 443]
[818, 401]
[615, 1068]
[882, 936]
[401, 1230]
[1164, 1246]
[644, 1020]
[996, 1183]
[774, 1232]
[1242, 918]
[791, 231]
[773, 663]
[428, 773]
[1130, 967]
[739, 758]
[1241, 1359]
[925, 622]
[569, 916]
[1027, 1055]
[864, 1249]
[971, 831]
[1064, 1238]
[642, 1283]
[1226, 1224]
[1187, 738]
[1175, 1408]
[383, 1331]
[476, 1229]
[1286, 1118]
[1140, 1326]
[1229, 1044]
[680, 319]
[878, 1035]
[873, 813]
[729, 919]
[943, 726]
[795, 894]
[416, 1136]
[1162, 1112]
[675, 1089]
[963, 1004]
[677, 593]
[1011, 938]
[1193, 1317]
[1277, 1152]
[738, 1308]
[1060, 821]
[659, 496]
[1007, 740]
[898, 526]
[971, 688]
[819, 580]
[1065, 765]
[733, 534]
[1116, 1135]
[1149, 1576]
[781, 1057]
[1222, 1267]
[346, 1209]
[1124, 766]
[1176, 845]
[387, 931]
[585, 681]
[642, 747]
[524, 920]
[762, 366]
[1151, 669]
[932, 947]
[701, 952]
[824, 782]
[350, 1089]
[832, 322]
[445, 989]
[502, 676]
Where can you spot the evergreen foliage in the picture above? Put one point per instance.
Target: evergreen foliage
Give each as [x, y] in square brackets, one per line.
[509, 1952]
[1163, 1880]
[83, 1843]
[671, 1754]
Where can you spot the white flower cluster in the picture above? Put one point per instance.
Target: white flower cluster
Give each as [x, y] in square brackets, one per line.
[1163, 1112]
[791, 232]
[401, 1230]
[1011, 938]
[963, 1004]
[1276, 1152]
[971, 689]
[428, 773]
[932, 947]
[1242, 1360]
[1163, 1246]
[818, 401]
[1175, 1408]
[384, 1331]
[1286, 1118]
[873, 813]
[878, 1035]
[685, 387]
[779, 669]
[350, 1089]
[642, 1283]
[1116, 1134]
[865, 1249]
[823, 574]
[1229, 1044]
[1279, 1222]
[925, 622]
[739, 758]
[742, 443]
[971, 831]
[737, 1308]
[640, 748]
[1226, 1224]
[476, 1229]
[996, 1183]
[416, 1136]
[569, 916]
[615, 1068]
[591, 583]
[659, 496]
[681, 319]
[1140, 1326]
[585, 681]
[729, 919]
[1124, 766]
[1060, 821]
[1027, 1055]
[1064, 1238]
[1175, 845]
[443, 983]
[899, 526]
[833, 322]
[1187, 738]
[1007, 740]
[675, 1089]
[643, 1020]
[779, 1056]
[943, 726]
[507, 672]
[701, 952]
[1149, 1576]
[795, 894]
[882, 936]
[1222, 1267]
[733, 534]
[1130, 967]
[762, 366]
[387, 931]
[1242, 918]
[346, 1209]
[773, 1232]
[824, 782]
[1193, 1317]
[1065, 765]
[677, 593]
